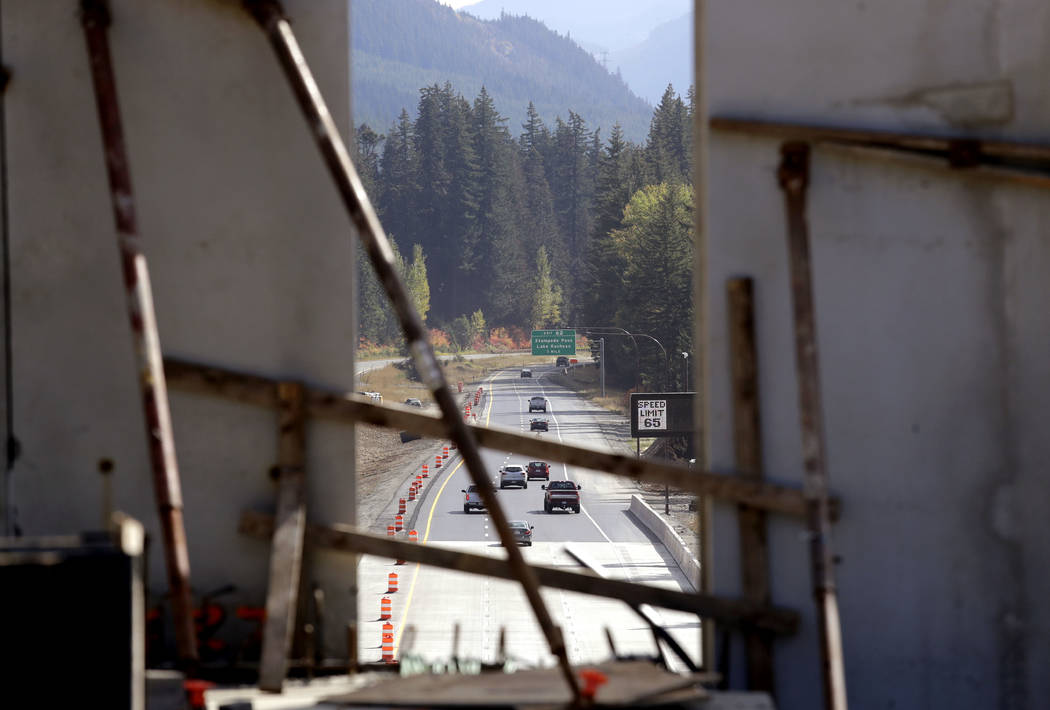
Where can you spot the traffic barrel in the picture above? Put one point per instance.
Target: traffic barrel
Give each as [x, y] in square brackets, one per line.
[388, 642]
[419, 481]
[426, 471]
[412, 492]
[401, 505]
[390, 530]
[399, 521]
[413, 536]
[391, 583]
[437, 461]
[384, 609]
[444, 452]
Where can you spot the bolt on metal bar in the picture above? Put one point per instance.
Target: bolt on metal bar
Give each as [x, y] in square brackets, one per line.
[270, 16]
[95, 18]
[793, 176]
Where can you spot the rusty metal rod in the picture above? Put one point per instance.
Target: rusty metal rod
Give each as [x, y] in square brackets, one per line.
[728, 611]
[659, 632]
[979, 149]
[270, 16]
[340, 406]
[95, 18]
[793, 176]
[1022, 163]
[747, 443]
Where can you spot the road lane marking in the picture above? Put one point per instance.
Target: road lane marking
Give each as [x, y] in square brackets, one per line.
[426, 533]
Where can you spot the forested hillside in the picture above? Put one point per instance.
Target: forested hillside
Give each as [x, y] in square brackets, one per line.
[560, 227]
[399, 46]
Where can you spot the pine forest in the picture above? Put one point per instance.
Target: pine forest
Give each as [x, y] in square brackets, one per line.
[560, 227]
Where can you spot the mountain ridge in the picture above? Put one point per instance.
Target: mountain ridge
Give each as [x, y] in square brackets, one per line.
[400, 46]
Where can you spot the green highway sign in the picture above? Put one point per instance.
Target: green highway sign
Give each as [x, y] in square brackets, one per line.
[554, 342]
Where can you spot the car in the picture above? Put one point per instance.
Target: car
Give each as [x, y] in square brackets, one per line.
[538, 469]
[513, 475]
[471, 499]
[562, 361]
[374, 396]
[413, 402]
[538, 404]
[561, 494]
[526, 373]
[522, 531]
[538, 425]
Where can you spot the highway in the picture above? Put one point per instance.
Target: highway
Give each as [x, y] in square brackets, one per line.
[430, 602]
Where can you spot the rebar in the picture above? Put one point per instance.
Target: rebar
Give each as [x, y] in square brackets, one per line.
[793, 175]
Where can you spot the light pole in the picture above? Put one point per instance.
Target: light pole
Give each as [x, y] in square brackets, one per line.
[597, 330]
[685, 358]
[664, 351]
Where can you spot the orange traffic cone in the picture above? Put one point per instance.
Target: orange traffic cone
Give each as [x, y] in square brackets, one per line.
[388, 642]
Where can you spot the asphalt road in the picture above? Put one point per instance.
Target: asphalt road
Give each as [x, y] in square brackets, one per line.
[430, 602]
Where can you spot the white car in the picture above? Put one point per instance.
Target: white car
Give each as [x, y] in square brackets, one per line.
[513, 475]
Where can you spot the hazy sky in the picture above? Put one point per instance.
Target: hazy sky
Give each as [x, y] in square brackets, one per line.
[456, 4]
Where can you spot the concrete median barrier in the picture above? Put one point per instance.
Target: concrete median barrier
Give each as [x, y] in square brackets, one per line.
[670, 539]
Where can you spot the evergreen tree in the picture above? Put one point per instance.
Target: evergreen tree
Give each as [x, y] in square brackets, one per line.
[376, 321]
[667, 148]
[657, 247]
[416, 282]
[447, 177]
[398, 179]
[572, 190]
[366, 159]
[478, 329]
[603, 265]
[546, 300]
[496, 219]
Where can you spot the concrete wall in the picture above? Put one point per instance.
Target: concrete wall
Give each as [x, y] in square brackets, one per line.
[670, 539]
[249, 251]
[934, 333]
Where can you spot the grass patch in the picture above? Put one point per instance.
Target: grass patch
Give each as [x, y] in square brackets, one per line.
[586, 381]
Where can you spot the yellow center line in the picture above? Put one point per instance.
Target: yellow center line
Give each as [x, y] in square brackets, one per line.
[426, 534]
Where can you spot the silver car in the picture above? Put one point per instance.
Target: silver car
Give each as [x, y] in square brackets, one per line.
[513, 475]
[522, 531]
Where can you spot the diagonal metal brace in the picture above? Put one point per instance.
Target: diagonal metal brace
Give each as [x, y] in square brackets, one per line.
[270, 16]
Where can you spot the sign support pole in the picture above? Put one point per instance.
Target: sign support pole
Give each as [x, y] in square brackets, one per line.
[602, 359]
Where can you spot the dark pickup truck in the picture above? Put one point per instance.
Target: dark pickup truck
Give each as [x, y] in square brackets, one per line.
[561, 494]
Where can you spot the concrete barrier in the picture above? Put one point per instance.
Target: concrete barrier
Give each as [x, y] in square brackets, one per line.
[670, 539]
